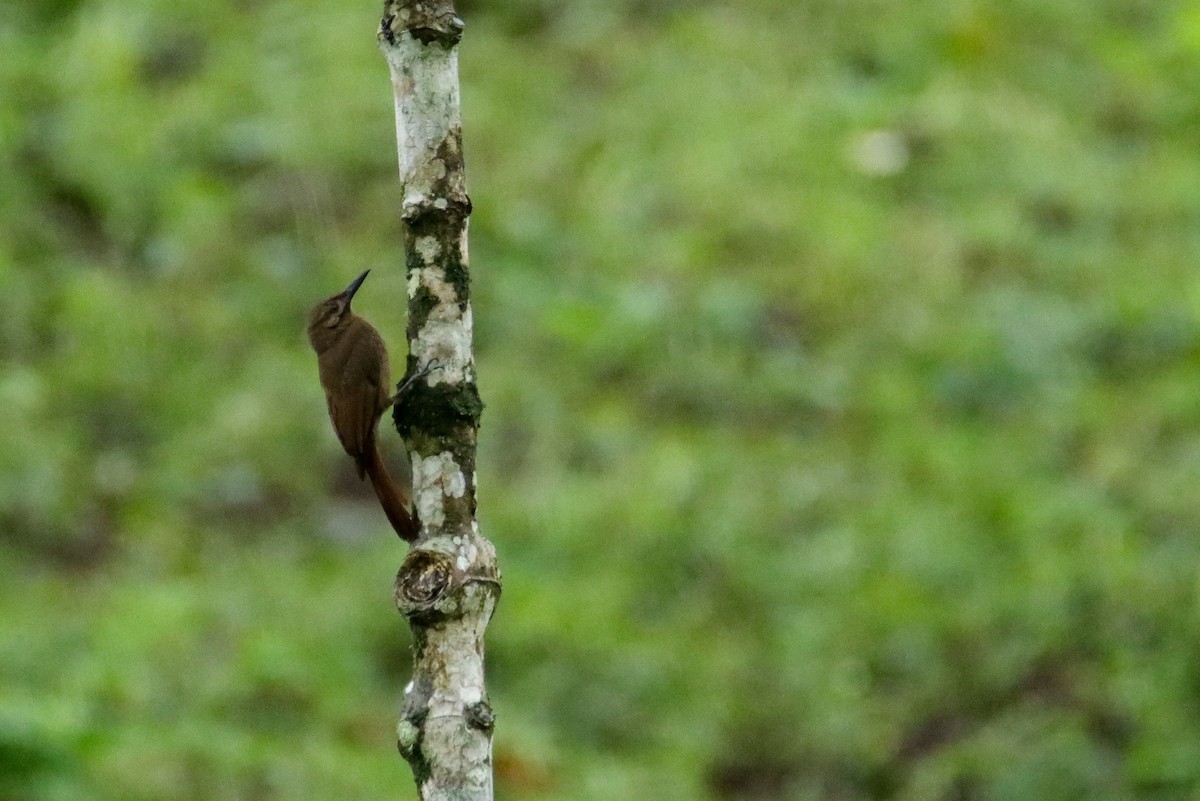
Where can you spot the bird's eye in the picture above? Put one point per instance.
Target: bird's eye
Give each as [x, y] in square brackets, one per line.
[333, 315]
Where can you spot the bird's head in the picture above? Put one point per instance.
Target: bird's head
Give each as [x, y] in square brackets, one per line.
[330, 315]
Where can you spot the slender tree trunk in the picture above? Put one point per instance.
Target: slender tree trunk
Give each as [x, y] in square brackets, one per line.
[449, 583]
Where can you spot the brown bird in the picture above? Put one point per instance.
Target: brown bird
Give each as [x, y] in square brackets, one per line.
[353, 364]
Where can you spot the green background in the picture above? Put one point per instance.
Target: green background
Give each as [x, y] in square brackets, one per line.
[840, 360]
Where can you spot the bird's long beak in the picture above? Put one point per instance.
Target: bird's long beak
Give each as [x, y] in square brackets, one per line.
[354, 285]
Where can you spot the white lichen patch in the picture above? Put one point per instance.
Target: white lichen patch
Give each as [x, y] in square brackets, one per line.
[467, 554]
[445, 338]
[448, 343]
[425, 81]
[406, 734]
[454, 649]
[434, 279]
[428, 248]
[485, 550]
[435, 477]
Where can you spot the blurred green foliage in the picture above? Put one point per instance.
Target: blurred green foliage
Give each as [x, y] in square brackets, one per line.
[840, 361]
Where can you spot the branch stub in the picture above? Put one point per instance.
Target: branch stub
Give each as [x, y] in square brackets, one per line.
[427, 21]
[422, 586]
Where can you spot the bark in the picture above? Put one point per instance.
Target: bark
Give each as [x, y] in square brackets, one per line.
[449, 582]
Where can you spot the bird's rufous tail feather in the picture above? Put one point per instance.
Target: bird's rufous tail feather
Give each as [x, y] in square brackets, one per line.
[390, 497]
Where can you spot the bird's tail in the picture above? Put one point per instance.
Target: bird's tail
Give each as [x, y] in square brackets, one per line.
[390, 497]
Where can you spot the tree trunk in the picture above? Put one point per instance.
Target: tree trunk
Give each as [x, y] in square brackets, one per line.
[449, 583]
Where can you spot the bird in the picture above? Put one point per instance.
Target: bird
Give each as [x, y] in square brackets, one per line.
[352, 362]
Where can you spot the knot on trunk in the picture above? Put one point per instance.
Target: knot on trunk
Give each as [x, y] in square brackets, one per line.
[424, 587]
[427, 21]
[441, 580]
